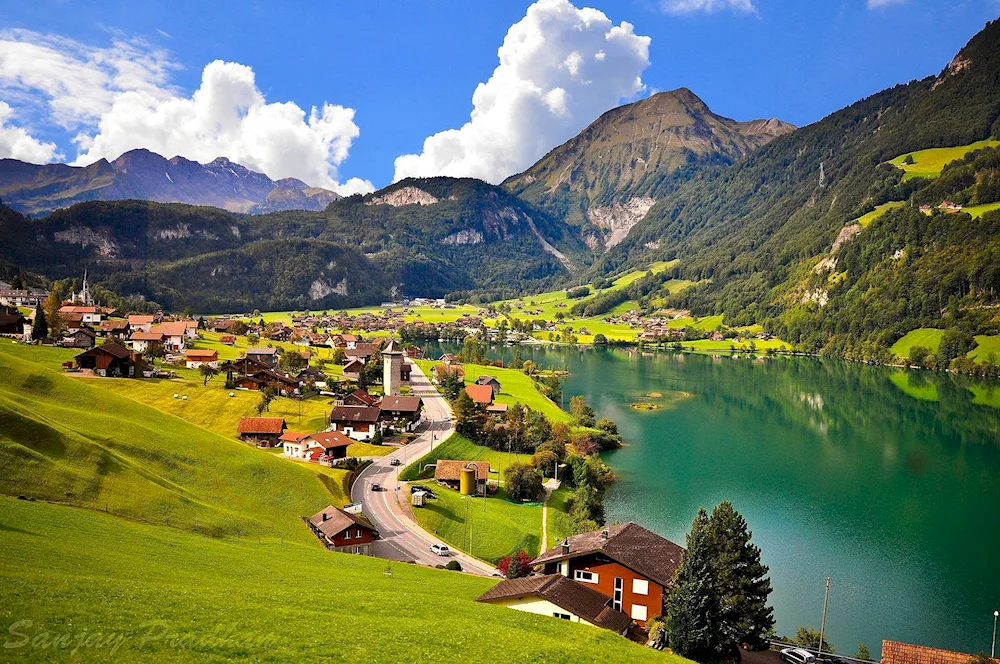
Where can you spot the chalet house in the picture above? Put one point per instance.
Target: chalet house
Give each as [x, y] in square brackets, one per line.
[223, 325]
[72, 322]
[401, 412]
[497, 408]
[141, 342]
[482, 395]
[21, 297]
[438, 371]
[632, 566]
[292, 444]
[249, 374]
[114, 328]
[263, 431]
[90, 315]
[491, 381]
[449, 473]
[361, 351]
[926, 209]
[448, 359]
[12, 324]
[227, 339]
[141, 322]
[357, 422]
[175, 335]
[313, 374]
[895, 652]
[413, 353]
[359, 398]
[111, 360]
[194, 358]
[556, 596]
[343, 532]
[353, 369]
[327, 446]
[949, 206]
[83, 338]
[266, 356]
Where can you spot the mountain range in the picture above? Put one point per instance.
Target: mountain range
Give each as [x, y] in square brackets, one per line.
[144, 175]
[810, 232]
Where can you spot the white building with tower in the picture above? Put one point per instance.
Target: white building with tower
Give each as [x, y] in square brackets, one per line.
[392, 367]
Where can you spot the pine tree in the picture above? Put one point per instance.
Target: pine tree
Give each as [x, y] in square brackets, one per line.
[469, 419]
[40, 326]
[694, 606]
[742, 579]
[52, 305]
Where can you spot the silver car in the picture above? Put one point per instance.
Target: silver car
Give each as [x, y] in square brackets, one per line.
[797, 656]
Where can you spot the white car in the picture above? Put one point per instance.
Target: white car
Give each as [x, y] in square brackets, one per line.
[440, 550]
[797, 656]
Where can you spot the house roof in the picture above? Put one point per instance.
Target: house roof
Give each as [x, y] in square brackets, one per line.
[11, 319]
[894, 652]
[451, 469]
[146, 336]
[392, 348]
[336, 521]
[268, 425]
[628, 544]
[367, 414]
[173, 328]
[71, 309]
[497, 408]
[112, 348]
[261, 351]
[364, 397]
[481, 394]
[445, 368]
[136, 319]
[407, 404]
[362, 350]
[354, 366]
[486, 380]
[328, 439]
[293, 437]
[109, 325]
[578, 599]
[201, 353]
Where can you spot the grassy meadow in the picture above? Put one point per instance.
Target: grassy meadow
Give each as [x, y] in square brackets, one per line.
[930, 163]
[145, 593]
[866, 219]
[458, 446]
[928, 337]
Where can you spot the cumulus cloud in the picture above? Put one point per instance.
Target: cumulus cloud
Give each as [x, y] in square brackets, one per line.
[118, 98]
[17, 143]
[709, 6]
[560, 67]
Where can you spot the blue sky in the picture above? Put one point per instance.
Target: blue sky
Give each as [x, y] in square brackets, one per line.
[408, 70]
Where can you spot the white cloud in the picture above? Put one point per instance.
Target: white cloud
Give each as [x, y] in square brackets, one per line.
[560, 67]
[17, 143]
[118, 98]
[878, 4]
[709, 6]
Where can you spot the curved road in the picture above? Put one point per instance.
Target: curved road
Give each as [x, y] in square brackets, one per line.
[396, 527]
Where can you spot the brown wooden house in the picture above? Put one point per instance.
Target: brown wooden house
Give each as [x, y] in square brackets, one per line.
[111, 360]
[263, 431]
[343, 532]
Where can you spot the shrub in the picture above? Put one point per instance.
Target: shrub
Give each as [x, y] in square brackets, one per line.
[522, 482]
[515, 565]
[454, 566]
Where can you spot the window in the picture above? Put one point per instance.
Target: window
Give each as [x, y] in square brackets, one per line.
[564, 616]
[358, 533]
[640, 586]
[585, 576]
[638, 612]
[616, 602]
[347, 534]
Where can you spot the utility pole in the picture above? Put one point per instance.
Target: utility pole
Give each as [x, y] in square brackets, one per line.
[993, 648]
[822, 625]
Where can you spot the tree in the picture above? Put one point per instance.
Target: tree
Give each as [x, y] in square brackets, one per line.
[51, 306]
[919, 355]
[40, 327]
[515, 565]
[807, 637]
[544, 461]
[741, 579]
[600, 339]
[208, 372]
[863, 653]
[607, 426]
[522, 482]
[469, 420]
[694, 605]
[582, 412]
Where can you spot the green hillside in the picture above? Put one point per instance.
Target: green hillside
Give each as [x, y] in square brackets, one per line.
[171, 596]
[66, 441]
[930, 163]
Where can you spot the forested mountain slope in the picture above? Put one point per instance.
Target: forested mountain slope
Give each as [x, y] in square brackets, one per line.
[755, 231]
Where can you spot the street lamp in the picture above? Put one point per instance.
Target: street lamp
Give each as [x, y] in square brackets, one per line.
[993, 648]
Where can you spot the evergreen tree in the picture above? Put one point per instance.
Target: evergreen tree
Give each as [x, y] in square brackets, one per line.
[40, 327]
[694, 605]
[51, 306]
[469, 419]
[742, 579]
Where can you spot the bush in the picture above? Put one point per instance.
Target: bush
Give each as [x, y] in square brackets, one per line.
[578, 292]
[454, 566]
[515, 565]
[522, 482]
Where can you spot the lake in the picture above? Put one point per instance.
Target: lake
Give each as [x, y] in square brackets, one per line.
[885, 480]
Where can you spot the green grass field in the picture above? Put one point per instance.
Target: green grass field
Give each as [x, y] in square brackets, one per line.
[460, 447]
[67, 441]
[725, 346]
[558, 516]
[155, 594]
[498, 526]
[979, 210]
[928, 337]
[986, 346]
[929, 163]
[866, 219]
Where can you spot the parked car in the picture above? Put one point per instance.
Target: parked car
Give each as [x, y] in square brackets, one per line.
[797, 656]
[440, 550]
[376, 486]
[419, 487]
[395, 462]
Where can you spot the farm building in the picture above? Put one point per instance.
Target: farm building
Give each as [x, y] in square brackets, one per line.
[263, 431]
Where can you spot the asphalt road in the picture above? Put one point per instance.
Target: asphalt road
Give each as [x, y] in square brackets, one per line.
[400, 537]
